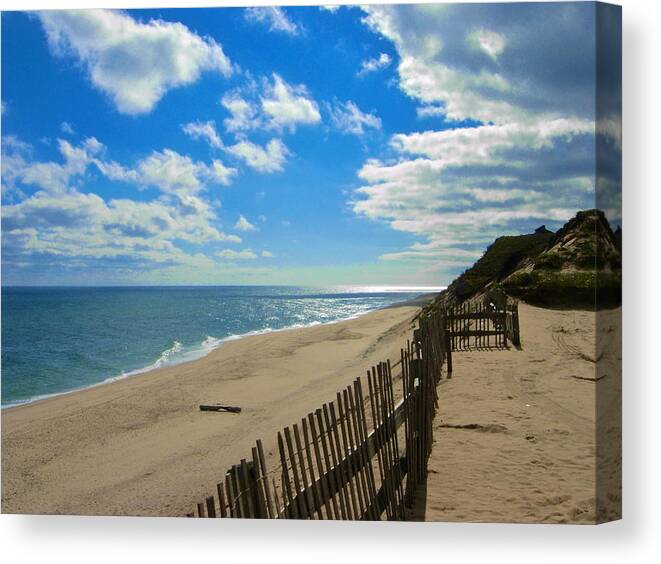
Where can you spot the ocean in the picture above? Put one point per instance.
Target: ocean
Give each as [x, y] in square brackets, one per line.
[56, 340]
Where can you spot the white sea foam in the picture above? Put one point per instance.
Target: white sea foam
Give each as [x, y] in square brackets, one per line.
[177, 354]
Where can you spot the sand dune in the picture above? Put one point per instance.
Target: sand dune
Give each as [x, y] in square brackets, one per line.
[515, 433]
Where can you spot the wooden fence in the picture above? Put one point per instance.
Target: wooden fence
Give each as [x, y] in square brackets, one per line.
[482, 326]
[345, 461]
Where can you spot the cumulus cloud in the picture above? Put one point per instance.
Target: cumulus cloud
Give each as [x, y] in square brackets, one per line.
[277, 105]
[287, 106]
[174, 173]
[430, 111]
[62, 219]
[267, 254]
[243, 224]
[204, 130]
[274, 17]
[489, 42]
[374, 64]
[134, 63]
[348, 118]
[51, 176]
[459, 189]
[230, 254]
[528, 89]
[244, 114]
[473, 145]
[270, 158]
[66, 128]
[461, 57]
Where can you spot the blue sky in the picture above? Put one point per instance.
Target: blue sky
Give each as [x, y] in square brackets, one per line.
[378, 145]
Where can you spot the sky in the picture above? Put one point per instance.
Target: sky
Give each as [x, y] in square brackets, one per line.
[381, 145]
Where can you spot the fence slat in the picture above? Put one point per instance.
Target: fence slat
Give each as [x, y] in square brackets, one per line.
[316, 488]
[331, 503]
[327, 460]
[362, 426]
[263, 476]
[345, 482]
[288, 498]
[326, 445]
[302, 506]
[211, 508]
[309, 500]
[221, 499]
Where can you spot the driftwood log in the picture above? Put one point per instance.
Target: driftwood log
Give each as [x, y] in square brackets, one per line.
[218, 407]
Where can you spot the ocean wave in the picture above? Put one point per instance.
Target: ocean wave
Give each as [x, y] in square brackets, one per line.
[177, 353]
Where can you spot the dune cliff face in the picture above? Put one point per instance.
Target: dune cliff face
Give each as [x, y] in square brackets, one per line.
[500, 260]
[579, 266]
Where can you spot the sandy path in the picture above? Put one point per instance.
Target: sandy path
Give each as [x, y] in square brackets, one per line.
[141, 446]
[529, 455]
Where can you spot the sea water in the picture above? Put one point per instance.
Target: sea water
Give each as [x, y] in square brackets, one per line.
[55, 340]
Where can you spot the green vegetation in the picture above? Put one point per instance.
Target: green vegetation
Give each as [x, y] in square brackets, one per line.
[498, 261]
[579, 266]
[577, 288]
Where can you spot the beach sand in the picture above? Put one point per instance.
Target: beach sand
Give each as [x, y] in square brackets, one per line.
[140, 446]
[514, 437]
[514, 434]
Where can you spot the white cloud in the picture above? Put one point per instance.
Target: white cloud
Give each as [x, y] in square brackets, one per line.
[533, 157]
[243, 224]
[523, 60]
[276, 105]
[243, 113]
[274, 17]
[430, 111]
[263, 159]
[443, 187]
[267, 254]
[62, 220]
[220, 174]
[74, 224]
[134, 63]
[204, 130]
[66, 128]
[287, 106]
[425, 75]
[50, 175]
[489, 42]
[471, 145]
[229, 254]
[374, 64]
[348, 118]
[171, 172]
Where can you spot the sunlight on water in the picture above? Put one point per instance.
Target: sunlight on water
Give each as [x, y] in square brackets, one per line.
[60, 339]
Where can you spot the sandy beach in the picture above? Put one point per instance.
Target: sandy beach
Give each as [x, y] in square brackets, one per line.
[514, 437]
[140, 446]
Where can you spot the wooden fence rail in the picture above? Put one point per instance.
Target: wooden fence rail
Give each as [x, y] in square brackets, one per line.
[482, 326]
[343, 461]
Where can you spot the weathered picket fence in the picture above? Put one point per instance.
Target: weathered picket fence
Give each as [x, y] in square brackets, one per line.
[483, 325]
[344, 461]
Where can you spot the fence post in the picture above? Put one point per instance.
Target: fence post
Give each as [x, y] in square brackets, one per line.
[515, 325]
[448, 352]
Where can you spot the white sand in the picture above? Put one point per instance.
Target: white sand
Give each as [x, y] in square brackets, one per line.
[531, 457]
[140, 446]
